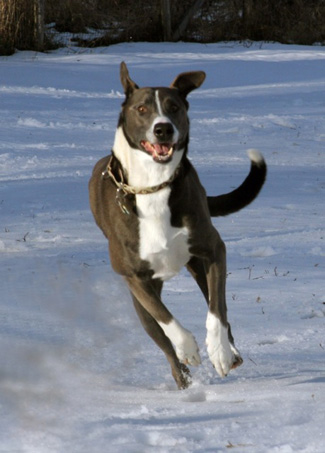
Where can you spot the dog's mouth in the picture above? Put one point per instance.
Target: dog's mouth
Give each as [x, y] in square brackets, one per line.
[160, 152]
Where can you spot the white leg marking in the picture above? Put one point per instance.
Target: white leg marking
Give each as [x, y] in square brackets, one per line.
[185, 345]
[221, 352]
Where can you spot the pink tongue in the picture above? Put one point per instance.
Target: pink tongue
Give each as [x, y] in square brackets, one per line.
[161, 150]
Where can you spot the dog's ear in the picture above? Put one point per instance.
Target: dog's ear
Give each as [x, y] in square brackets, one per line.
[127, 83]
[188, 81]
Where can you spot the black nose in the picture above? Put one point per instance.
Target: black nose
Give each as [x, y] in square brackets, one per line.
[163, 131]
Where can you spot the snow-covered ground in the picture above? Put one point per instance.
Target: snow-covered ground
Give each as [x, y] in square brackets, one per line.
[77, 372]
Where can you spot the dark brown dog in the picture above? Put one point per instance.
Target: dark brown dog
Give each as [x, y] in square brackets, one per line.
[147, 199]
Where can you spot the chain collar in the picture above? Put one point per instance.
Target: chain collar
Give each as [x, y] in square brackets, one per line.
[127, 190]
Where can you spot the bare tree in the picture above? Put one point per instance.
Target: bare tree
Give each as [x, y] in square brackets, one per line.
[39, 23]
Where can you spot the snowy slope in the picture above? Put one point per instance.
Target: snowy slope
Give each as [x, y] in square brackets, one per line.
[78, 373]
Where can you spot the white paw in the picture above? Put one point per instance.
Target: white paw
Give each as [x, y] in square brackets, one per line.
[187, 350]
[185, 344]
[235, 351]
[222, 354]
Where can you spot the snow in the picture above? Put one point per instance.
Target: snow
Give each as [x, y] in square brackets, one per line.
[78, 373]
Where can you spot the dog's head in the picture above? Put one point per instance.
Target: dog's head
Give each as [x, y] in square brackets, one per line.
[154, 120]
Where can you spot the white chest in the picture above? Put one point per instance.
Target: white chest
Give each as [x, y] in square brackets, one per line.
[162, 245]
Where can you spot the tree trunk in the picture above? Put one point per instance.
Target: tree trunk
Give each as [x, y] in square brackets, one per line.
[166, 20]
[188, 16]
[39, 23]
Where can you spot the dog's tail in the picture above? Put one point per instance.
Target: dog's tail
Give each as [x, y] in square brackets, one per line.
[231, 202]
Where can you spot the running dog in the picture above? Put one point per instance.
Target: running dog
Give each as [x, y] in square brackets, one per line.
[147, 199]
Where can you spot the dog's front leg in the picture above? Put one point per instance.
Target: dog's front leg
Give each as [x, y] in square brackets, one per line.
[222, 352]
[164, 329]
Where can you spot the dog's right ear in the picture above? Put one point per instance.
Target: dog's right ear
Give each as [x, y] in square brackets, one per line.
[127, 83]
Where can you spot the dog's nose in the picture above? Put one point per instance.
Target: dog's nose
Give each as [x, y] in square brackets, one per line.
[163, 131]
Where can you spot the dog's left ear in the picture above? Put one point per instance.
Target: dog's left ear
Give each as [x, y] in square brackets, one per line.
[127, 83]
[188, 81]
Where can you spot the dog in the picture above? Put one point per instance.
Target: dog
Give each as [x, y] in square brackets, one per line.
[147, 199]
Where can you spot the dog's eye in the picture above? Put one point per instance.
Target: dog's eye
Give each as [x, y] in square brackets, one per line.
[173, 108]
[142, 109]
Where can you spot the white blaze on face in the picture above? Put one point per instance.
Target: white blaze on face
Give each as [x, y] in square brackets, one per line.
[161, 118]
[160, 112]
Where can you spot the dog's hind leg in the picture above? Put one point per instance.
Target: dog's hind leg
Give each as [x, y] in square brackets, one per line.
[180, 371]
[220, 344]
